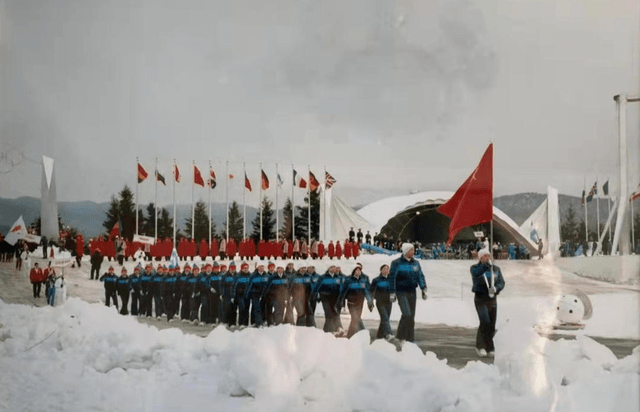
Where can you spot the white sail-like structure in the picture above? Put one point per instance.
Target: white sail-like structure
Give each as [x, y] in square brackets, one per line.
[544, 223]
[337, 217]
[48, 201]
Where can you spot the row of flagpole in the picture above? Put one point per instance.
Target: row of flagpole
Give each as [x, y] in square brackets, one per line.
[298, 181]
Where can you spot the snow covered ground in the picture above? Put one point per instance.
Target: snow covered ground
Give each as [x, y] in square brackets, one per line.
[82, 356]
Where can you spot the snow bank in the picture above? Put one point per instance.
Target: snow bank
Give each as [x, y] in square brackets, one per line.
[83, 356]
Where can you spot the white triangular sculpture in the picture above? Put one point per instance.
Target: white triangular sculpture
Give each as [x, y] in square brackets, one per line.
[48, 201]
[337, 217]
[544, 223]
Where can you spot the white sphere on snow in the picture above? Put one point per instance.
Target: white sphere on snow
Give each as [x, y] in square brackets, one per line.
[570, 309]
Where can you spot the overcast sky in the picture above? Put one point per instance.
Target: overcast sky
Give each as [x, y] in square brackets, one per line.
[390, 96]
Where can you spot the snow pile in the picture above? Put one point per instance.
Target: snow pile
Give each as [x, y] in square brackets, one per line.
[84, 356]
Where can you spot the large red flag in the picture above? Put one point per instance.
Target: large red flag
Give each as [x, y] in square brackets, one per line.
[176, 173]
[197, 176]
[265, 181]
[472, 203]
[142, 173]
[313, 182]
[247, 183]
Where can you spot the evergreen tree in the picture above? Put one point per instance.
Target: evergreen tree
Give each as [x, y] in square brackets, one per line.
[302, 222]
[165, 225]
[569, 227]
[112, 214]
[201, 227]
[147, 227]
[268, 222]
[285, 229]
[127, 213]
[235, 223]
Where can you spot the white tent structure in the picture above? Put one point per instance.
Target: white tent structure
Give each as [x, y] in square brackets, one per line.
[48, 201]
[544, 223]
[414, 217]
[337, 217]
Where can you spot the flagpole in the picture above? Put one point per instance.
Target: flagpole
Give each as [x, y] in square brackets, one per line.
[633, 240]
[309, 212]
[586, 222]
[293, 207]
[597, 209]
[137, 184]
[244, 203]
[609, 208]
[174, 203]
[193, 209]
[493, 282]
[210, 203]
[155, 205]
[260, 204]
[324, 201]
[277, 213]
[227, 200]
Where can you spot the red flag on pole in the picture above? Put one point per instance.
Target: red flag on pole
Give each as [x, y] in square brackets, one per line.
[313, 182]
[265, 181]
[197, 176]
[142, 174]
[472, 203]
[176, 173]
[212, 179]
[247, 183]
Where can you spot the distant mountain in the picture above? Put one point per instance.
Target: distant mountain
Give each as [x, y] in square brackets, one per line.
[87, 216]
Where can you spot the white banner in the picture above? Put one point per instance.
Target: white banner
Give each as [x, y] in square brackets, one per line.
[31, 238]
[62, 262]
[144, 239]
[17, 231]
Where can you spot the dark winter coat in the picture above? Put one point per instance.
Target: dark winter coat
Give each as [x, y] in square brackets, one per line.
[480, 270]
[406, 275]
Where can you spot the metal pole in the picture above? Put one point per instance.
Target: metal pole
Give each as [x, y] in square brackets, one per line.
[633, 238]
[293, 207]
[597, 209]
[277, 205]
[586, 222]
[155, 205]
[309, 212]
[174, 202]
[324, 209]
[244, 204]
[209, 204]
[260, 203]
[193, 209]
[620, 238]
[137, 180]
[227, 173]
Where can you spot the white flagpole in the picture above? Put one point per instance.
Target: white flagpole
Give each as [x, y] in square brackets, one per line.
[324, 200]
[277, 213]
[609, 208]
[155, 204]
[260, 204]
[309, 212]
[586, 223]
[137, 183]
[174, 202]
[633, 240]
[244, 203]
[293, 208]
[227, 200]
[209, 203]
[193, 209]
[597, 208]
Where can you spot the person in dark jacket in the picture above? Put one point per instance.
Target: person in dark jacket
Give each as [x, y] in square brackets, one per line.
[146, 291]
[487, 284]
[257, 283]
[277, 290]
[240, 286]
[314, 277]
[135, 291]
[267, 304]
[327, 290]
[299, 291]
[405, 275]
[157, 287]
[109, 279]
[192, 288]
[354, 290]
[123, 287]
[230, 307]
[96, 262]
[170, 300]
[380, 292]
[213, 294]
[183, 294]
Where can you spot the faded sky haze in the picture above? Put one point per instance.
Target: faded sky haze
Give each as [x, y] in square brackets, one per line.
[390, 96]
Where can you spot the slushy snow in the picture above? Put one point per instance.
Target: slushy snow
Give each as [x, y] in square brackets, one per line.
[86, 357]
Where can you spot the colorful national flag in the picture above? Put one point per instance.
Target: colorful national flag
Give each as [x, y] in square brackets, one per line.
[212, 179]
[279, 179]
[313, 182]
[142, 174]
[160, 178]
[265, 181]
[116, 230]
[328, 180]
[583, 197]
[605, 188]
[592, 192]
[197, 176]
[247, 183]
[176, 173]
[17, 231]
[298, 180]
[635, 195]
[472, 203]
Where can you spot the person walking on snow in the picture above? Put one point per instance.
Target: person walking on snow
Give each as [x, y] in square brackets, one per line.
[487, 284]
[405, 275]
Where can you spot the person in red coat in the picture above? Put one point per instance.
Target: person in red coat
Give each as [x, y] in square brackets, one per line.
[214, 248]
[331, 249]
[79, 248]
[203, 249]
[192, 248]
[273, 249]
[320, 250]
[35, 277]
[231, 248]
[338, 250]
[181, 248]
[290, 249]
[262, 249]
[355, 250]
[347, 249]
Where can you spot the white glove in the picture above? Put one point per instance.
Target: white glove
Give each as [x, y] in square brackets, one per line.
[392, 297]
[232, 300]
[212, 290]
[424, 294]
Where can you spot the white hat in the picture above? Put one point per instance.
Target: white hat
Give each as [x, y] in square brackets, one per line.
[406, 247]
[483, 252]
